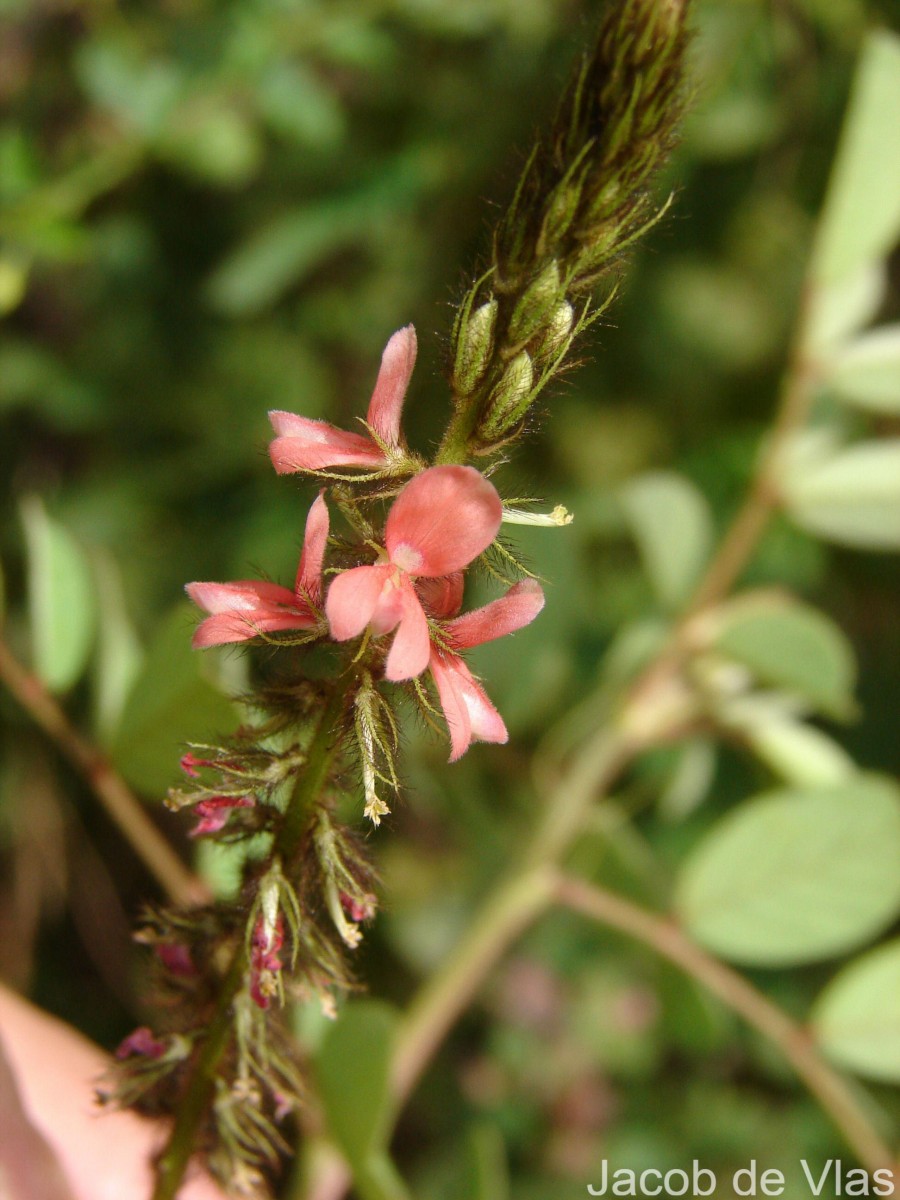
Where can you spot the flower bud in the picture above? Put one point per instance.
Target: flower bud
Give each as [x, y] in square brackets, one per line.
[475, 343]
[557, 330]
[511, 397]
[539, 299]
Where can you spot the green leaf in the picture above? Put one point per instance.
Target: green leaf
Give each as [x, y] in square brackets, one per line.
[672, 525]
[861, 218]
[799, 753]
[170, 704]
[61, 599]
[791, 646]
[841, 309]
[866, 373]
[119, 654]
[856, 1019]
[352, 1069]
[796, 876]
[851, 497]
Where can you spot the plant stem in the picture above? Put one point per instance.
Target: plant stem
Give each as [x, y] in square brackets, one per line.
[200, 1091]
[828, 1087]
[125, 809]
[510, 909]
[762, 498]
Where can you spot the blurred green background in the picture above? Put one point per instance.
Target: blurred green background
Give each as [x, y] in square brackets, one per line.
[211, 210]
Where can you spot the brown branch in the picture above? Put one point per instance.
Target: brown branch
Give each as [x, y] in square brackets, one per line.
[661, 934]
[124, 808]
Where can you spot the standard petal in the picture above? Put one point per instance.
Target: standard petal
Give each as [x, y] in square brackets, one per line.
[517, 608]
[443, 519]
[408, 655]
[307, 445]
[352, 599]
[309, 572]
[394, 375]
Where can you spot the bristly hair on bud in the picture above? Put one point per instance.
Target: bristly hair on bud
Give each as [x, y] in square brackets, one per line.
[581, 202]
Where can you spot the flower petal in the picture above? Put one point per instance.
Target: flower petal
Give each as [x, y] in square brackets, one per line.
[386, 404]
[517, 608]
[441, 595]
[408, 656]
[469, 713]
[244, 609]
[352, 600]
[309, 572]
[307, 445]
[443, 519]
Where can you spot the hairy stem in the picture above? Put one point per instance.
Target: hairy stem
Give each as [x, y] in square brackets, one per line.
[828, 1087]
[200, 1091]
[123, 807]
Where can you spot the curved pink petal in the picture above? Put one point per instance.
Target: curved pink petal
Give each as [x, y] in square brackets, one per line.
[241, 596]
[353, 598]
[396, 369]
[243, 609]
[309, 572]
[441, 595]
[307, 445]
[469, 713]
[517, 608]
[443, 519]
[408, 655]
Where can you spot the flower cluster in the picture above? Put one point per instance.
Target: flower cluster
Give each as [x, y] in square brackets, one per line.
[440, 522]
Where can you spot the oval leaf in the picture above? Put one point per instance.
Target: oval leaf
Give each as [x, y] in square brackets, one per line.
[798, 753]
[796, 876]
[861, 218]
[852, 497]
[352, 1069]
[867, 372]
[672, 525]
[61, 599]
[170, 704]
[791, 646]
[856, 1019]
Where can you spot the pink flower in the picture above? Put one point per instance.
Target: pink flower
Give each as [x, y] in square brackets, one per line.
[442, 520]
[265, 960]
[142, 1043]
[307, 445]
[214, 811]
[249, 607]
[469, 714]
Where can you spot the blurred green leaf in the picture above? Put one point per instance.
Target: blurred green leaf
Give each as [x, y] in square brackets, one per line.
[861, 218]
[170, 704]
[61, 599]
[352, 1068]
[856, 1019]
[673, 527]
[866, 372]
[115, 76]
[792, 646]
[119, 654]
[796, 876]
[851, 496]
[801, 754]
[840, 309]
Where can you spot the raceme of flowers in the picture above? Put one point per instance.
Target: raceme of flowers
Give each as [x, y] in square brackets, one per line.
[439, 523]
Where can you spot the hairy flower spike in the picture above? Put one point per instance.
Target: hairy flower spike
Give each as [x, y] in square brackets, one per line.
[582, 200]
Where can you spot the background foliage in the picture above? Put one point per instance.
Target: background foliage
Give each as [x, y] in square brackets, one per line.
[213, 210]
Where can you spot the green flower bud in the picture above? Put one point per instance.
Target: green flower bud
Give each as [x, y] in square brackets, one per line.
[556, 331]
[538, 300]
[475, 343]
[510, 398]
